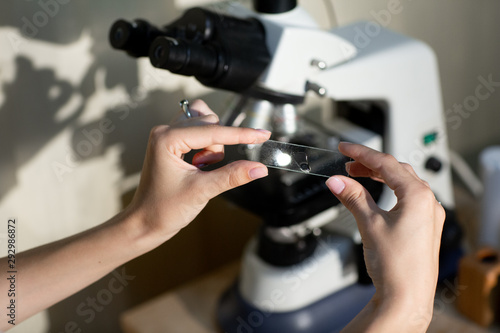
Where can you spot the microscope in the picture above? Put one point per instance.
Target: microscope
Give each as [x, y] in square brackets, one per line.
[304, 270]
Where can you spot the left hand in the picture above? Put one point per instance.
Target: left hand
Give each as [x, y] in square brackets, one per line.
[172, 192]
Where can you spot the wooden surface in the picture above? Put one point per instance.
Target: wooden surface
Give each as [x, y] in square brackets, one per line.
[191, 309]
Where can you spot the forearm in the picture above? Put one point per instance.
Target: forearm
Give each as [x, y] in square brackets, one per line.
[50, 273]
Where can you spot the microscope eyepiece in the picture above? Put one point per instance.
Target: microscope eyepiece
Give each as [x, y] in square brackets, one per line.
[181, 57]
[119, 34]
[133, 37]
[201, 43]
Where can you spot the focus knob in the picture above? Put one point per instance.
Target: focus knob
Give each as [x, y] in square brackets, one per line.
[433, 164]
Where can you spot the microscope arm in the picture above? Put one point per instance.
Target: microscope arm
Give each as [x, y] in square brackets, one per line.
[401, 75]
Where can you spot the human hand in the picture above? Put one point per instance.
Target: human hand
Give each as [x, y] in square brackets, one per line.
[172, 191]
[401, 246]
[170, 194]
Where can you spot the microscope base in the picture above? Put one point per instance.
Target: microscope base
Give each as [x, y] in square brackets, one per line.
[328, 315]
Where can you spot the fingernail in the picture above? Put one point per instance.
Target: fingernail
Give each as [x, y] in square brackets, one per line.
[258, 172]
[348, 167]
[335, 184]
[266, 132]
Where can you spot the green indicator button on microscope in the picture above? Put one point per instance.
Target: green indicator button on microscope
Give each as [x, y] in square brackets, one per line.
[430, 138]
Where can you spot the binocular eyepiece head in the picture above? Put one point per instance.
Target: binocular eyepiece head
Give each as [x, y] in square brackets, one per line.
[219, 50]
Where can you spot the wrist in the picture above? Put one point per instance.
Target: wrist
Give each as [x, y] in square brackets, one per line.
[401, 313]
[389, 315]
[140, 234]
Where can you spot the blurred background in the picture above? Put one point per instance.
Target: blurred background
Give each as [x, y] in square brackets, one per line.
[60, 79]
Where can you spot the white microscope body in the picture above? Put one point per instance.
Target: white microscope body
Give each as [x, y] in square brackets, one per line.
[362, 62]
[384, 92]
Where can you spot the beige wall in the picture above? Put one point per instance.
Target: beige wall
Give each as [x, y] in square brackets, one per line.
[63, 78]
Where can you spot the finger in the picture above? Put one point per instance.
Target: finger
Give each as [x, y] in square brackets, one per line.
[230, 176]
[214, 153]
[356, 169]
[210, 154]
[209, 119]
[183, 140]
[385, 165]
[182, 121]
[201, 114]
[412, 171]
[206, 157]
[354, 197]
[198, 109]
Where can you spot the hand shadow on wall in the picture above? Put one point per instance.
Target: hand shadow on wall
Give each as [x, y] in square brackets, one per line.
[36, 95]
[28, 116]
[129, 127]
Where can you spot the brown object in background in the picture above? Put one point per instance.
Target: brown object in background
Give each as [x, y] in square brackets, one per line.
[479, 274]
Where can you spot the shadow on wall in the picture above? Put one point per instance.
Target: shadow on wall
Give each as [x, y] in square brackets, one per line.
[30, 110]
[129, 125]
[36, 95]
[31, 103]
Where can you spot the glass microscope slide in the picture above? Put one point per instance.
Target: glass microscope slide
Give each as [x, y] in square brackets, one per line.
[298, 158]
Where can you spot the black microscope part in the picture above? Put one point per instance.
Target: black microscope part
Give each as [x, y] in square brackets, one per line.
[285, 254]
[433, 164]
[181, 57]
[275, 6]
[220, 51]
[133, 37]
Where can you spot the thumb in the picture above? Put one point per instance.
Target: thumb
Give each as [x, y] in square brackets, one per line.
[354, 197]
[230, 176]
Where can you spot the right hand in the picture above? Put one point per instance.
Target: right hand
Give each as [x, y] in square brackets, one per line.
[401, 246]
